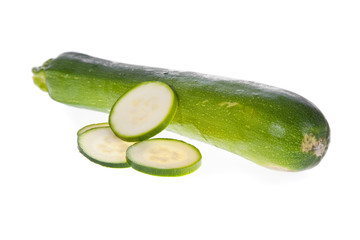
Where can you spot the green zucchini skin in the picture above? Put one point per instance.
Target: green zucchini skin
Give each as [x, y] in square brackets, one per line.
[91, 126]
[272, 127]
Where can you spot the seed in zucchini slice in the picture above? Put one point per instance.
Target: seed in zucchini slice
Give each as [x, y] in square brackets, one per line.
[100, 145]
[143, 111]
[95, 125]
[164, 157]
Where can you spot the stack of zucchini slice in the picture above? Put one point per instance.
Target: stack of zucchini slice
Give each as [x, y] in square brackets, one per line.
[138, 115]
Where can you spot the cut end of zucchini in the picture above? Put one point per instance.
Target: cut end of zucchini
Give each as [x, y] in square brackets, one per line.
[143, 111]
[39, 77]
[164, 157]
[100, 145]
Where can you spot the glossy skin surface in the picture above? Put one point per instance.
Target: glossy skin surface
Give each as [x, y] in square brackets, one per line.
[272, 127]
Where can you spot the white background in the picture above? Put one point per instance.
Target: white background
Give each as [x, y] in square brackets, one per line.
[50, 191]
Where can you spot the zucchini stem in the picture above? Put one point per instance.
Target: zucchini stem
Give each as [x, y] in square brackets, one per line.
[39, 77]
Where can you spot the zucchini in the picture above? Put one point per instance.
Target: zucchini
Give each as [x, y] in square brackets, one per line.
[100, 145]
[272, 127]
[164, 157]
[143, 111]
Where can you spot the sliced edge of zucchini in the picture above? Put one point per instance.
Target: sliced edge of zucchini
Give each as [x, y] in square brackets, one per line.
[100, 145]
[164, 157]
[90, 126]
[143, 111]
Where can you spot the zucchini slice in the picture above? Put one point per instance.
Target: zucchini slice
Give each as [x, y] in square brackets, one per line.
[143, 111]
[101, 146]
[164, 157]
[91, 126]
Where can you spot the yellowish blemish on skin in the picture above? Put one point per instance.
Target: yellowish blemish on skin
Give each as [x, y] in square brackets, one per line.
[228, 104]
[310, 143]
[202, 103]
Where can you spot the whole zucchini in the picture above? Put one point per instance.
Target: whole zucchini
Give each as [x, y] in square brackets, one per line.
[272, 127]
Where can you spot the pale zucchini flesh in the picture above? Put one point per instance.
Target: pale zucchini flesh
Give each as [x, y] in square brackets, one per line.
[143, 111]
[164, 157]
[101, 146]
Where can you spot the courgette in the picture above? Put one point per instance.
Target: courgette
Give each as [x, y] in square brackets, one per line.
[143, 111]
[272, 127]
[164, 157]
[100, 145]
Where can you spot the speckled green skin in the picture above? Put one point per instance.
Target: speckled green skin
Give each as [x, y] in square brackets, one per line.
[264, 124]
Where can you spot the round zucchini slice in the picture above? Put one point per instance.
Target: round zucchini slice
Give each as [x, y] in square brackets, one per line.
[143, 111]
[164, 157]
[101, 146]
